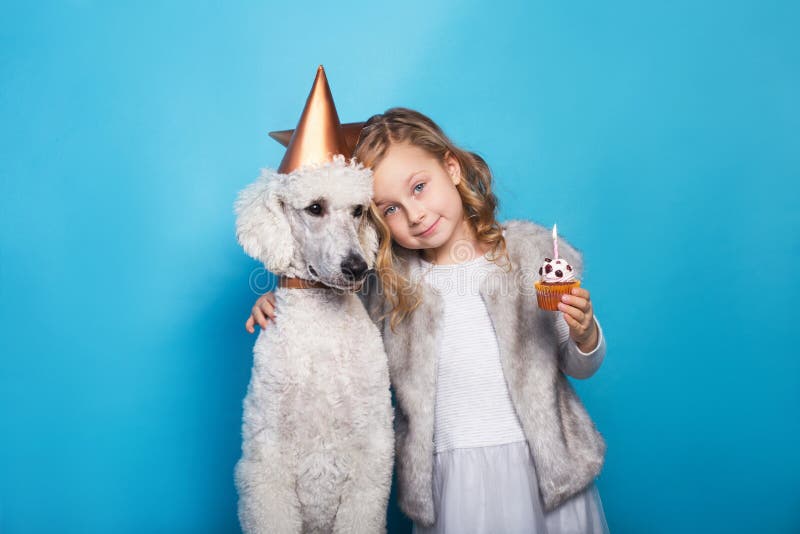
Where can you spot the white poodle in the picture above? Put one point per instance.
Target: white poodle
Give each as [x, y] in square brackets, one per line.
[317, 441]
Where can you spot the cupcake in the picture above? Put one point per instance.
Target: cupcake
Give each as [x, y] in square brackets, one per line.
[557, 278]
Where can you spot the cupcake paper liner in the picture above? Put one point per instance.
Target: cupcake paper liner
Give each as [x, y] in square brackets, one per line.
[549, 295]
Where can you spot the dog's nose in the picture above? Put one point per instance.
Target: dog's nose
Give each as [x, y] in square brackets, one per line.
[354, 267]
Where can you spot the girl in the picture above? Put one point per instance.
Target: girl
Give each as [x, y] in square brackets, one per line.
[490, 435]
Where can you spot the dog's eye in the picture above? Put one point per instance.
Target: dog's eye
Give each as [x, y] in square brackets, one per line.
[314, 209]
[359, 211]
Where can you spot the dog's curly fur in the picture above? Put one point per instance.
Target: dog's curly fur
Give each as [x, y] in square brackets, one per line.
[317, 440]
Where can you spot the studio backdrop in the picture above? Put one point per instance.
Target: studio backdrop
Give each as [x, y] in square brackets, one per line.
[661, 137]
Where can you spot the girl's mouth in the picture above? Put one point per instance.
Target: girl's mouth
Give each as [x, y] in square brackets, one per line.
[431, 229]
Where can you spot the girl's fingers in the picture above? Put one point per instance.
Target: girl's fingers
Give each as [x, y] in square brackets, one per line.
[266, 303]
[580, 292]
[262, 312]
[259, 317]
[577, 314]
[577, 330]
[267, 308]
[573, 324]
[579, 302]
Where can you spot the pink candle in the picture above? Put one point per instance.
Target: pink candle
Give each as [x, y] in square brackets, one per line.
[555, 242]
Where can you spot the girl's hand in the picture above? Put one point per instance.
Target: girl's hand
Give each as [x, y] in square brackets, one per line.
[577, 310]
[262, 312]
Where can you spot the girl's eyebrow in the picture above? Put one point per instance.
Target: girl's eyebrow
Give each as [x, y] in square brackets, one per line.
[410, 176]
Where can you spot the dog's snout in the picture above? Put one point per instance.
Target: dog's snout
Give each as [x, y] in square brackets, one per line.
[354, 267]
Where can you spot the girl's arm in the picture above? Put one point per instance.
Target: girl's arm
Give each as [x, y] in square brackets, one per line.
[572, 360]
[581, 342]
[263, 311]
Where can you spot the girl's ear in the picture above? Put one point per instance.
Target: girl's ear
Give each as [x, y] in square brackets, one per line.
[452, 167]
[261, 225]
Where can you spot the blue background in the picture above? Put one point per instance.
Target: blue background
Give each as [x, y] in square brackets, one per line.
[662, 138]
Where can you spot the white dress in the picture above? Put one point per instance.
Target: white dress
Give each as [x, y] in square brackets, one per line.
[484, 478]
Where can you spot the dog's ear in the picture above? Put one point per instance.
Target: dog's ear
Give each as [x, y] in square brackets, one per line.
[368, 238]
[261, 225]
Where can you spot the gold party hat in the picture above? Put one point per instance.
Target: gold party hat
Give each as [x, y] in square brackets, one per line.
[351, 131]
[319, 135]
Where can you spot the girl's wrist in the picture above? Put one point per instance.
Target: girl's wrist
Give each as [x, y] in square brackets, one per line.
[589, 344]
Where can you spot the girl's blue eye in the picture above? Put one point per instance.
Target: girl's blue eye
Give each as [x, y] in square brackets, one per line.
[386, 211]
[418, 185]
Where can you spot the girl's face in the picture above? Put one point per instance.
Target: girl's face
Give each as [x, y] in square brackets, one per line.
[416, 195]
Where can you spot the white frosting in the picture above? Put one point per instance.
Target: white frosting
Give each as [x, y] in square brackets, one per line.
[556, 271]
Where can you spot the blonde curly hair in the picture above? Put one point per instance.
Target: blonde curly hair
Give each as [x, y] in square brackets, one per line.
[401, 125]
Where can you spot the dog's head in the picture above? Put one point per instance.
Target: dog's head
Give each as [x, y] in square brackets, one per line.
[311, 223]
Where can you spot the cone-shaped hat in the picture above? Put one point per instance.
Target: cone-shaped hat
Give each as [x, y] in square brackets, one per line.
[351, 131]
[319, 135]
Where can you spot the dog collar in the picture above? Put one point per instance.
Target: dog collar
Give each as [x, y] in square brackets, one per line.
[300, 283]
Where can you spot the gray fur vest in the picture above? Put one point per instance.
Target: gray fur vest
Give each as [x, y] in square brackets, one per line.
[567, 449]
